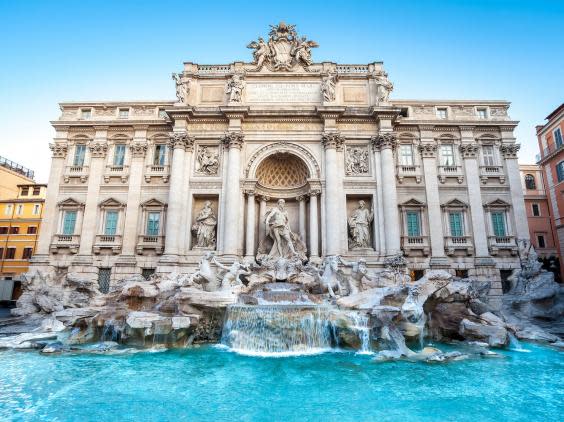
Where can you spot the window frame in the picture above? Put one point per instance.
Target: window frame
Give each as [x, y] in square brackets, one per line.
[29, 251]
[401, 154]
[79, 159]
[151, 232]
[119, 147]
[123, 112]
[540, 236]
[442, 156]
[10, 253]
[64, 222]
[493, 156]
[536, 206]
[439, 113]
[560, 171]
[85, 113]
[479, 111]
[558, 141]
[157, 158]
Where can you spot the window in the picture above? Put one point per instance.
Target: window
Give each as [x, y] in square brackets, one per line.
[27, 252]
[160, 154]
[119, 155]
[14, 230]
[25, 190]
[488, 155]
[530, 182]
[19, 209]
[413, 223]
[482, 113]
[36, 190]
[540, 241]
[153, 223]
[69, 221]
[147, 272]
[560, 171]
[10, 253]
[416, 274]
[79, 154]
[558, 137]
[498, 223]
[86, 113]
[110, 226]
[447, 155]
[406, 155]
[456, 224]
[36, 209]
[8, 209]
[461, 273]
[104, 275]
[162, 113]
[3, 230]
[536, 210]
[442, 113]
[123, 113]
[32, 230]
[1, 253]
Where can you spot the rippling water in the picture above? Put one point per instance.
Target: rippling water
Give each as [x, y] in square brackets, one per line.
[211, 384]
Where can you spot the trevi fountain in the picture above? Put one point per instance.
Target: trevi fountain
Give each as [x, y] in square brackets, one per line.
[287, 330]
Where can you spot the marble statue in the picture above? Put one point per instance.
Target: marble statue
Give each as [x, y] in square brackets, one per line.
[356, 161]
[360, 278]
[261, 54]
[204, 228]
[329, 276]
[232, 276]
[235, 88]
[206, 274]
[385, 87]
[302, 51]
[208, 161]
[359, 227]
[278, 228]
[328, 87]
[182, 87]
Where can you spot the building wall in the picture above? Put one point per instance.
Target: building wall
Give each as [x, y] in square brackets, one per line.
[9, 181]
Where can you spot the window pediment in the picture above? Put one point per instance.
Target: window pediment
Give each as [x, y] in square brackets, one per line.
[70, 203]
[413, 203]
[111, 203]
[454, 203]
[497, 203]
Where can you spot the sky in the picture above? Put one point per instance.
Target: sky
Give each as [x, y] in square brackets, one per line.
[55, 51]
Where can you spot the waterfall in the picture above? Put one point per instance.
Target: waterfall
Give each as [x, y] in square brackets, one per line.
[515, 344]
[363, 330]
[278, 330]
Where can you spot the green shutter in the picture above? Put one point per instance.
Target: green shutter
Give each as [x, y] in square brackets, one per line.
[455, 220]
[153, 221]
[498, 223]
[413, 229]
[69, 222]
[111, 222]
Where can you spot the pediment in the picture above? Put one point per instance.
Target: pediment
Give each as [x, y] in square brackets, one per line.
[413, 203]
[111, 202]
[455, 203]
[497, 203]
[70, 202]
[153, 203]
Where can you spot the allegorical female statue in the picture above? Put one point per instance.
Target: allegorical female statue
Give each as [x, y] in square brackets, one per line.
[204, 228]
[359, 226]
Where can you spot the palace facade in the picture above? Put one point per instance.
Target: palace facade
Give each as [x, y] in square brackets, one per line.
[139, 187]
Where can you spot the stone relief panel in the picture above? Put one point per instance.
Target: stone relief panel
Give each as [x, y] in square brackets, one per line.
[360, 216]
[356, 160]
[204, 224]
[207, 160]
[355, 94]
[211, 93]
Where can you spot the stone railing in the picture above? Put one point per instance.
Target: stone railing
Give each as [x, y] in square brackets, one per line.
[148, 242]
[107, 241]
[498, 243]
[155, 170]
[214, 68]
[487, 172]
[80, 172]
[352, 68]
[453, 171]
[407, 170]
[454, 243]
[410, 244]
[66, 241]
[116, 171]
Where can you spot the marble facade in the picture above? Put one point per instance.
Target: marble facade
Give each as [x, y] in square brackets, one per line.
[321, 136]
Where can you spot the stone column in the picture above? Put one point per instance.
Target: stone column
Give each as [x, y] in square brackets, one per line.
[509, 152]
[234, 141]
[185, 242]
[137, 149]
[428, 149]
[379, 226]
[98, 148]
[313, 226]
[178, 142]
[332, 142]
[386, 142]
[250, 229]
[50, 211]
[302, 217]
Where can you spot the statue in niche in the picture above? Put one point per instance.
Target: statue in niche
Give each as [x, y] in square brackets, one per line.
[182, 87]
[384, 87]
[328, 86]
[235, 88]
[204, 228]
[359, 227]
[208, 161]
[356, 161]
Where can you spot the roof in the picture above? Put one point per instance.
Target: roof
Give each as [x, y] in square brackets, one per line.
[555, 112]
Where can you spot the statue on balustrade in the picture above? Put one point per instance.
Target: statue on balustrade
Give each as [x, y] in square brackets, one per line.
[359, 227]
[204, 228]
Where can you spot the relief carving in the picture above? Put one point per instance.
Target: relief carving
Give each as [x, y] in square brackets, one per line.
[207, 161]
[356, 160]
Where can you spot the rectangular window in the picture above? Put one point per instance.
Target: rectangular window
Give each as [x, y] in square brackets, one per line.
[14, 230]
[19, 209]
[27, 252]
[69, 221]
[413, 224]
[406, 155]
[153, 223]
[104, 275]
[558, 137]
[119, 155]
[79, 154]
[3, 230]
[36, 190]
[36, 209]
[123, 113]
[482, 113]
[32, 230]
[447, 155]
[160, 154]
[86, 113]
[442, 113]
[1, 253]
[25, 190]
[498, 224]
[8, 209]
[540, 241]
[456, 224]
[536, 210]
[560, 171]
[147, 272]
[10, 253]
[110, 227]
[489, 155]
[162, 113]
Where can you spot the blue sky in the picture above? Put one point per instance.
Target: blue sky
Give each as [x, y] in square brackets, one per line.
[52, 51]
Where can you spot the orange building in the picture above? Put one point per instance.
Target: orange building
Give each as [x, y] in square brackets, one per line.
[551, 160]
[20, 222]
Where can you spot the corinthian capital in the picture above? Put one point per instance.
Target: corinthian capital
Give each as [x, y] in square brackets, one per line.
[98, 149]
[469, 150]
[384, 140]
[333, 140]
[233, 139]
[181, 140]
[509, 150]
[59, 150]
[428, 150]
[138, 149]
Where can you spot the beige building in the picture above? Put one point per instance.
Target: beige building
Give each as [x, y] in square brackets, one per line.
[137, 187]
[12, 174]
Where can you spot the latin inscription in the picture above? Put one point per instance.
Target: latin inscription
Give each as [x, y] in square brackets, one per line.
[283, 93]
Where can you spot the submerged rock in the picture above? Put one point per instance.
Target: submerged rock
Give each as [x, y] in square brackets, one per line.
[495, 336]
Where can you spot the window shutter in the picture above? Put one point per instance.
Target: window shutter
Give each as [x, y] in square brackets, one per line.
[153, 224]
[498, 223]
[456, 224]
[413, 229]
[111, 222]
[69, 222]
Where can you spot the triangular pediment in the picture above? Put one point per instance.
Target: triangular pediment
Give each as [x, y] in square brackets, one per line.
[153, 203]
[497, 203]
[70, 202]
[413, 203]
[455, 203]
[111, 202]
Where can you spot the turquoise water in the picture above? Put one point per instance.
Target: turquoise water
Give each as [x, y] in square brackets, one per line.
[211, 384]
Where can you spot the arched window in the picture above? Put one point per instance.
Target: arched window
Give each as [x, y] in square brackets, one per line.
[530, 182]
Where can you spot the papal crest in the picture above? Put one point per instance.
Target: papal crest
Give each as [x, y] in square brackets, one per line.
[284, 49]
